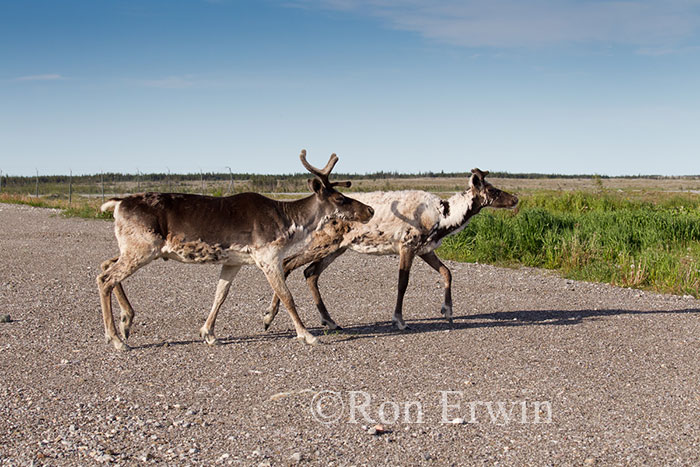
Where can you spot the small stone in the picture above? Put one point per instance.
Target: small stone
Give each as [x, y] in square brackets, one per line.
[458, 421]
[280, 395]
[295, 458]
[104, 458]
[5, 318]
[377, 430]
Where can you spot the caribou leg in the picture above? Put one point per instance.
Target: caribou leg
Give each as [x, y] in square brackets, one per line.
[275, 276]
[405, 261]
[228, 272]
[435, 263]
[127, 263]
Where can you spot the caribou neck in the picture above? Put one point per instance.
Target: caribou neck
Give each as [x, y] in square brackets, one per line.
[306, 212]
[458, 210]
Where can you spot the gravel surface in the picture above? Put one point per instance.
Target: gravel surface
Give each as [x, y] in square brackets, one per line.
[535, 370]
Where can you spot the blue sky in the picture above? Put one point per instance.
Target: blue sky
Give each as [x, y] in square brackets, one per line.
[396, 85]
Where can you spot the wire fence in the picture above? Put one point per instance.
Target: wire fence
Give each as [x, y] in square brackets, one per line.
[106, 185]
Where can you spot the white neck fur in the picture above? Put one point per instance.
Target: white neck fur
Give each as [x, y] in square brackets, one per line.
[459, 205]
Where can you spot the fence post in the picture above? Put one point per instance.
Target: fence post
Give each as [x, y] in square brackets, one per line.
[70, 187]
[102, 184]
[37, 183]
[201, 179]
[230, 184]
[0, 181]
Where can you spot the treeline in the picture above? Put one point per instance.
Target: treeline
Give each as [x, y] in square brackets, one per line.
[262, 179]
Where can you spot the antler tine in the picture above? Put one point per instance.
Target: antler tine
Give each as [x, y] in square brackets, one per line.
[325, 172]
[309, 167]
[329, 166]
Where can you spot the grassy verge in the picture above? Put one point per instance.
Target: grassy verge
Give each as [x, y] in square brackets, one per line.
[631, 242]
[88, 209]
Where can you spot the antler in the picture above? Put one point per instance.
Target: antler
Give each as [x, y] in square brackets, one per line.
[325, 172]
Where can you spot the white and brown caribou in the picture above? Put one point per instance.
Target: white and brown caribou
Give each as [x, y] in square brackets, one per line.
[407, 223]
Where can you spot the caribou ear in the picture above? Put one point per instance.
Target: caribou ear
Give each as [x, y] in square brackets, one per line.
[480, 173]
[316, 185]
[476, 181]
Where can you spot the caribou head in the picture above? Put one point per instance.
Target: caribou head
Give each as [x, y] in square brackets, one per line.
[330, 201]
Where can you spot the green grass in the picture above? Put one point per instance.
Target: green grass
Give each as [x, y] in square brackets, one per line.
[602, 237]
[88, 209]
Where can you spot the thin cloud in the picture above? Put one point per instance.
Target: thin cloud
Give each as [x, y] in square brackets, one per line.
[661, 51]
[170, 82]
[657, 51]
[514, 23]
[47, 77]
[241, 80]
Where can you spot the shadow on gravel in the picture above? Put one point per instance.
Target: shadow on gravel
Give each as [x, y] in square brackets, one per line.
[483, 320]
[262, 337]
[498, 319]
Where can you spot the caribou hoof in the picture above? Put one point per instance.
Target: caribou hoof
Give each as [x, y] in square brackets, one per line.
[208, 337]
[126, 330]
[400, 324]
[446, 310]
[307, 339]
[212, 341]
[267, 321]
[120, 345]
[331, 325]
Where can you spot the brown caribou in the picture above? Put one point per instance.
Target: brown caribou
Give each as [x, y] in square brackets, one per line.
[233, 231]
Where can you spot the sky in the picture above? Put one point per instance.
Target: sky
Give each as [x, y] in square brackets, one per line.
[544, 86]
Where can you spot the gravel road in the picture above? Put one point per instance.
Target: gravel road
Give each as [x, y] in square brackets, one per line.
[535, 370]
